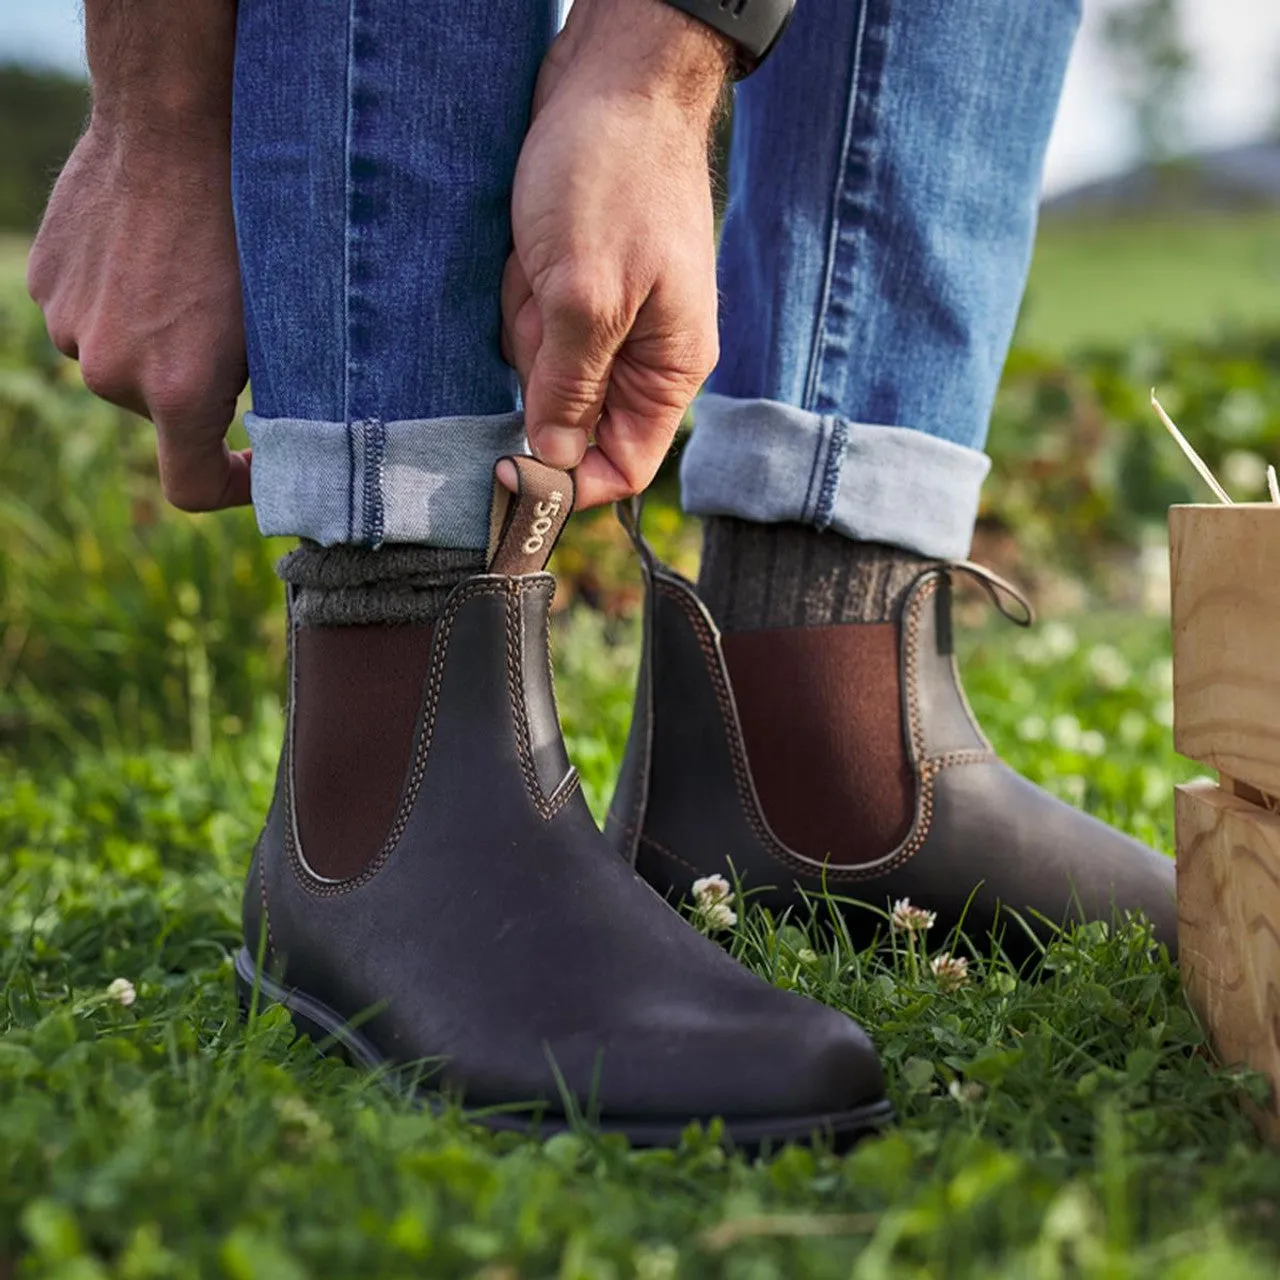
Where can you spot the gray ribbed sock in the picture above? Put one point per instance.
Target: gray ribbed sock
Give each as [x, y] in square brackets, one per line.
[755, 576]
[354, 586]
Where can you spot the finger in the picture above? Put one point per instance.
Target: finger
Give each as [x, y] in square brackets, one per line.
[507, 475]
[521, 320]
[569, 376]
[598, 482]
[198, 472]
[625, 458]
[651, 387]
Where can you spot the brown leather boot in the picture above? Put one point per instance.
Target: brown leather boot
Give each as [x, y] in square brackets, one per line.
[945, 823]
[483, 940]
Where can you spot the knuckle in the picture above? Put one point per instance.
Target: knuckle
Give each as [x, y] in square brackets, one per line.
[105, 375]
[174, 395]
[189, 493]
[63, 338]
[184, 500]
[569, 383]
[582, 299]
[637, 471]
[573, 390]
[37, 288]
[706, 355]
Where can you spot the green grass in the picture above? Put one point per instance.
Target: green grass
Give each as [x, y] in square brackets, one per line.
[1066, 1124]
[1110, 281]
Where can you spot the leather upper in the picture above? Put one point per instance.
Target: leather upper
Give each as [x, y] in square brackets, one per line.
[495, 936]
[981, 836]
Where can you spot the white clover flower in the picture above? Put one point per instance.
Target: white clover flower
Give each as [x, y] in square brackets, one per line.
[1242, 409]
[710, 890]
[1059, 640]
[1109, 667]
[1032, 728]
[1071, 787]
[658, 1263]
[718, 915]
[952, 972]
[1132, 728]
[1065, 731]
[969, 1091]
[1030, 649]
[1243, 471]
[122, 991]
[712, 896]
[906, 918]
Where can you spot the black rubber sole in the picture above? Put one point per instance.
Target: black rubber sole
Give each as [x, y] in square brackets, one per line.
[332, 1035]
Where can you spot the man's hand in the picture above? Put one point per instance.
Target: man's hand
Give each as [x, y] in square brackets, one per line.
[135, 270]
[135, 262]
[609, 298]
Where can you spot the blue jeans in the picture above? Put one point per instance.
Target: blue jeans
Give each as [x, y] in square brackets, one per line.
[882, 193]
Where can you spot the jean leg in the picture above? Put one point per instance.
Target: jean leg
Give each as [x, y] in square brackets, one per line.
[374, 145]
[883, 187]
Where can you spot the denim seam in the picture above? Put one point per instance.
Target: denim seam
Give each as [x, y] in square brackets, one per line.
[351, 484]
[355, 533]
[854, 212]
[815, 469]
[373, 435]
[837, 448]
[828, 275]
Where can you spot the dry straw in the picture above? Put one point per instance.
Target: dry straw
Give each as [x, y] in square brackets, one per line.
[1192, 456]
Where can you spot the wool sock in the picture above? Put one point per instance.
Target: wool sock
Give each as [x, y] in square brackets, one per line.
[362, 643]
[792, 575]
[809, 626]
[350, 586]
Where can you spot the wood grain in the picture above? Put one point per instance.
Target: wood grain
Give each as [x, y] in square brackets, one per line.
[1229, 927]
[1225, 568]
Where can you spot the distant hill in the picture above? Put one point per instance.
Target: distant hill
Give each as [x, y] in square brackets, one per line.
[1233, 179]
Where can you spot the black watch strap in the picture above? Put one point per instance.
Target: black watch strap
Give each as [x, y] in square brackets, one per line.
[755, 26]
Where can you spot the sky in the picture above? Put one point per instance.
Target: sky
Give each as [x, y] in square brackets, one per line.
[1234, 96]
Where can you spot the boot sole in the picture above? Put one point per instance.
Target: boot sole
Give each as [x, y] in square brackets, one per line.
[331, 1035]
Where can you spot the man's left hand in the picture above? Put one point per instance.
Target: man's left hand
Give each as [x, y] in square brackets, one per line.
[609, 298]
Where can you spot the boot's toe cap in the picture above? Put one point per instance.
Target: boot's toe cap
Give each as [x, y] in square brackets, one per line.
[831, 1066]
[797, 1059]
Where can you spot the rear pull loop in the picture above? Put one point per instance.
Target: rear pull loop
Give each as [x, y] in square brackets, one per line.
[525, 526]
[1004, 595]
[630, 513]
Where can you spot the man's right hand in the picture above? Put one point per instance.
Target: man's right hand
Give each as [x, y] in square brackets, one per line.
[135, 270]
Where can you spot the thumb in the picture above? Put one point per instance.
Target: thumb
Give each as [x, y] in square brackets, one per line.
[197, 470]
[565, 391]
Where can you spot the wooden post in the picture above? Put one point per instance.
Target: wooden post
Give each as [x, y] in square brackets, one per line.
[1226, 697]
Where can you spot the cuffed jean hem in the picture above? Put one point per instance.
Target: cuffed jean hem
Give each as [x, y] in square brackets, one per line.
[769, 462]
[370, 482]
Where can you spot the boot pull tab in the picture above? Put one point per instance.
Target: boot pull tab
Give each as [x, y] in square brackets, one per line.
[630, 513]
[525, 526]
[1004, 595]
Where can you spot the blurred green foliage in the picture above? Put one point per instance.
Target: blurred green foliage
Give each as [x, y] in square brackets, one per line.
[120, 621]
[1069, 1124]
[1084, 474]
[125, 623]
[1186, 273]
[41, 115]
